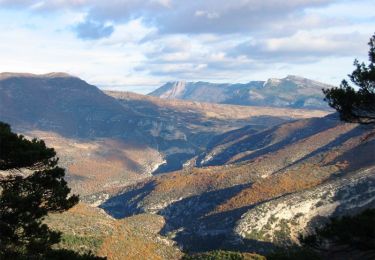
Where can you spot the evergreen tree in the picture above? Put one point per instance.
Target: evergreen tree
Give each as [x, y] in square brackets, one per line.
[31, 186]
[356, 105]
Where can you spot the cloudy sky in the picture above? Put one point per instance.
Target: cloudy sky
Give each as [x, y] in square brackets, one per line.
[137, 45]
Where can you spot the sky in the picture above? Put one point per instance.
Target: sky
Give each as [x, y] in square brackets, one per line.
[138, 45]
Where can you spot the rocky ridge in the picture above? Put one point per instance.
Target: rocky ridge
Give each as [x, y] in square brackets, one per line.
[291, 92]
[282, 220]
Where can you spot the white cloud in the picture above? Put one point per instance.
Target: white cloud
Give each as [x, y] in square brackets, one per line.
[209, 15]
[303, 47]
[134, 43]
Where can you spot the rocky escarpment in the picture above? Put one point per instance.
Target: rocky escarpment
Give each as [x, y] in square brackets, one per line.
[282, 220]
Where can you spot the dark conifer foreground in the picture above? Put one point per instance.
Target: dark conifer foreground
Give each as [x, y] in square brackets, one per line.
[32, 186]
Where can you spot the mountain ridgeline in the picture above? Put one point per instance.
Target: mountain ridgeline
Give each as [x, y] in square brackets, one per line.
[289, 92]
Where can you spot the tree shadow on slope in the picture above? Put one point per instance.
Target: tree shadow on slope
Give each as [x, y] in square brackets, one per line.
[197, 206]
[336, 143]
[127, 203]
[216, 232]
[194, 225]
[261, 143]
[360, 156]
[253, 125]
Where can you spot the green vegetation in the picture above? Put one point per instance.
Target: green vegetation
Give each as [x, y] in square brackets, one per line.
[32, 186]
[342, 237]
[86, 244]
[64, 254]
[356, 105]
[257, 235]
[294, 253]
[223, 255]
[349, 233]
[282, 234]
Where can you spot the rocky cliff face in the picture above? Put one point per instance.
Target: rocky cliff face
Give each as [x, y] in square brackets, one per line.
[291, 91]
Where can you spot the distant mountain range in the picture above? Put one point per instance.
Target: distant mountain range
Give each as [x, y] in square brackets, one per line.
[126, 135]
[290, 92]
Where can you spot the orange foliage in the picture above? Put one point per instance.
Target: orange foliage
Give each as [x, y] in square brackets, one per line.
[307, 176]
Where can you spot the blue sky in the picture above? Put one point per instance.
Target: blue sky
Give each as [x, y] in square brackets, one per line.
[138, 45]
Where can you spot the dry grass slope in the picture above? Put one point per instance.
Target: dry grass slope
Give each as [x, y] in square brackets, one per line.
[89, 229]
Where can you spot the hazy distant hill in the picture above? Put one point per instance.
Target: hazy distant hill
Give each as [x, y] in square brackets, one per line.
[63, 104]
[291, 92]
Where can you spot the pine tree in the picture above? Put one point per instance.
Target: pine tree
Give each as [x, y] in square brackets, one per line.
[31, 186]
[356, 105]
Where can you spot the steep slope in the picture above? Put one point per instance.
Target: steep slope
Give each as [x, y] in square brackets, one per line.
[245, 144]
[291, 91]
[90, 130]
[203, 205]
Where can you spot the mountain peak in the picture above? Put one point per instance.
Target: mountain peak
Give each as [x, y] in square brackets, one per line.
[295, 77]
[171, 89]
[272, 82]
